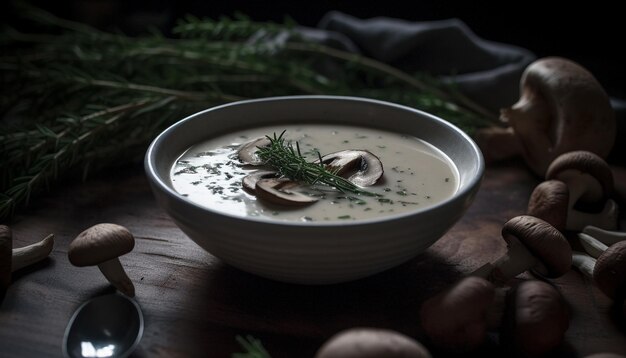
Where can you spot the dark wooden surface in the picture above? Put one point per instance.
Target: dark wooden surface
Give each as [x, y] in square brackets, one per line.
[194, 305]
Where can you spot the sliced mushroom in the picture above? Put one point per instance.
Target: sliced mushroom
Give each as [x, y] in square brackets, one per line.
[549, 201]
[281, 191]
[532, 244]
[360, 167]
[371, 343]
[536, 319]
[562, 108]
[101, 245]
[456, 319]
[249, 181]
[590, 181]
[247, 152]
[6, 243]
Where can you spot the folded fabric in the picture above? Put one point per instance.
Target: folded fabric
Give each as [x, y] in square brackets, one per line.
[486, 71]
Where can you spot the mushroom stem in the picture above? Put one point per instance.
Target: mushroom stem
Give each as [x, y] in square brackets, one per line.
[607, 237]
[114, 272]
[606, 219]
[584, 263]
[594, 247]
[516, 260]
[578, 185]
[28, 255]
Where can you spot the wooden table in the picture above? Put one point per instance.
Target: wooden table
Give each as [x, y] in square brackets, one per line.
[195, 305]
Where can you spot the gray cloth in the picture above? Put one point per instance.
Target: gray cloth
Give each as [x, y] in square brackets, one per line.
[488, 72]
[485, 71]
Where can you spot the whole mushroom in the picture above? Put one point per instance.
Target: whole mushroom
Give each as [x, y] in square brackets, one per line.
[562, 108]
[549, 201]
[532, 244]
[608, 271]
[101, 245]
[590, 181]
[371, 343]
[456, 319]
[536, 318]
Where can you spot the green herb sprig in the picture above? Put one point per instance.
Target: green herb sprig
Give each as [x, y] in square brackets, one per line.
[290, 162]
[252, 346]
[76, 100]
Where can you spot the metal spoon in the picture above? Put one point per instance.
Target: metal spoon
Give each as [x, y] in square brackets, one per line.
[105, 326]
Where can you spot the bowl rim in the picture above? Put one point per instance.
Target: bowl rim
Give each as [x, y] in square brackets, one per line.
[155, 179]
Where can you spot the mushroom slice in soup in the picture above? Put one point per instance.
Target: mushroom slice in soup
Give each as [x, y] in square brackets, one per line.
[247, 151]
[360, 167]
[281, 191]
[249, 181]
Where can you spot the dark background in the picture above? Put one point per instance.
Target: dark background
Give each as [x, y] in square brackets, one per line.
[591, 33]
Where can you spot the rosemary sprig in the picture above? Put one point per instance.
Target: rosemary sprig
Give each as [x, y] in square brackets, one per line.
[76, 99]
[290, 163]
[252, 346]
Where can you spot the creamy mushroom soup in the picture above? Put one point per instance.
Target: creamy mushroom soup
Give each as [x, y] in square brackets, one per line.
[416, 174]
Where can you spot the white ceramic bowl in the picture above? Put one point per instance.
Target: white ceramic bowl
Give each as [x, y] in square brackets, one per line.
[313, 252]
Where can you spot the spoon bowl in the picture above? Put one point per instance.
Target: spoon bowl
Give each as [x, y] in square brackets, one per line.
[105, 326]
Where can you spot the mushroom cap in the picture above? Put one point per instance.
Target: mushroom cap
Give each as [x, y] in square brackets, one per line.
[549, 201]
[359, 166]
[543, 240]
[247, 151]
[536, 318]
[455, 319]
[371, 343]
[6, 254]
[100, 243]
[562, 107]
[609, 273]
[569, 165]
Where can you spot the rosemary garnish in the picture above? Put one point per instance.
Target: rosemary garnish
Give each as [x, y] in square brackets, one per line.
[290, 163]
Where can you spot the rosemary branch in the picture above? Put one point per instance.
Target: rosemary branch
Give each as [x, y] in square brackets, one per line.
[252, 346]
[78, 99]
[290, 162]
